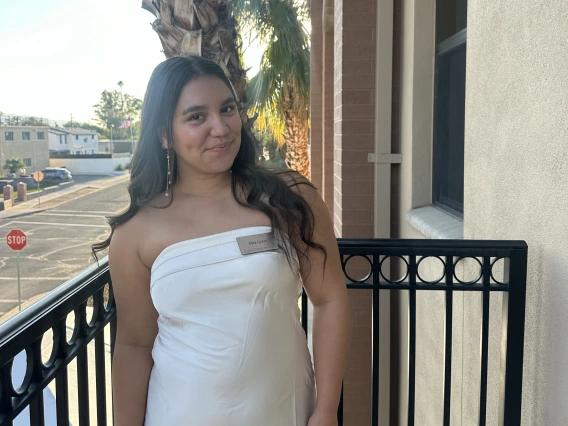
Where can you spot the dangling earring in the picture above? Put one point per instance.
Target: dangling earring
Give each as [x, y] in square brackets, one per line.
[168, 178]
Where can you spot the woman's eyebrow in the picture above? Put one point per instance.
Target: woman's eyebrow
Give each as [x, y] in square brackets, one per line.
[194, 108]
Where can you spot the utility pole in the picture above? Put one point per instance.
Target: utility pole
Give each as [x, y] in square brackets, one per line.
[71, 120]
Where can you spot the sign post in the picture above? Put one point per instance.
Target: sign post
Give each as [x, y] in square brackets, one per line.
[17, 240]
[38, 177]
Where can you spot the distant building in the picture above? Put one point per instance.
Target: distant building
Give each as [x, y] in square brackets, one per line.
[73, 141]
[119, 146]
[28, 143]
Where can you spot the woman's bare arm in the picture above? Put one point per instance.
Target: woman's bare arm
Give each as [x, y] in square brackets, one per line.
[332, 320]
[136, 327]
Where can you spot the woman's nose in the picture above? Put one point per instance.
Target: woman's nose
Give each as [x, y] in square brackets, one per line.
[219, 127]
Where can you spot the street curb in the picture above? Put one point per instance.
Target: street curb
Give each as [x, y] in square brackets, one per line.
[48, 191]
[44, 193]
[26, 303]
[23, 214]
[5, 214]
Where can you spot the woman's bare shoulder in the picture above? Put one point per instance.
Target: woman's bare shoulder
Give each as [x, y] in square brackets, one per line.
[126, 237]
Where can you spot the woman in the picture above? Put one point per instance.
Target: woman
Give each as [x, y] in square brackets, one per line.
[207, 265]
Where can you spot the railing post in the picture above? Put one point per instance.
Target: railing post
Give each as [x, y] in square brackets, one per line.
[513, 338]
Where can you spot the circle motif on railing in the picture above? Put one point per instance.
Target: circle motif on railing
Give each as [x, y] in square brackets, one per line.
[17, 363]
[91, 311]
[493, 270]
[432, 282]
[75, 333]
[344, 266]
[400, 280]
[471, 282]
[49, 346]
[108, 298]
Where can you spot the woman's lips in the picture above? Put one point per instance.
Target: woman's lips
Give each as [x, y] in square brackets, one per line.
[220, 148]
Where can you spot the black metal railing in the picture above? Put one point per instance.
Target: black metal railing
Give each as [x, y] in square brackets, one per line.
[25, 331]
[380, 254]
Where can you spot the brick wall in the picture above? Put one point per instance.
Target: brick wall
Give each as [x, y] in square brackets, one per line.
[328, 106]
[354, 102]
[316, 110]
[354, 112]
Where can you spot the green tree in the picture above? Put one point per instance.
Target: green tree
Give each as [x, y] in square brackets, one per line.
[274, 150]
[114, 108]
[280, 90]
[14, 165]
[32, 121]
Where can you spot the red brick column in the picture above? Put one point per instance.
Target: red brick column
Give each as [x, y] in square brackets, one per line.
[328, 106]
[354, 117]
[316, 110]
[354, 112]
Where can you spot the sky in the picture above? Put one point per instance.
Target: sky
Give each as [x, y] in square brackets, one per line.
[57, 56]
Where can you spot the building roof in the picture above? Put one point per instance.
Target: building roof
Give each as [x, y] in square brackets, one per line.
[56, 131]
[10, 126]
[72, 131]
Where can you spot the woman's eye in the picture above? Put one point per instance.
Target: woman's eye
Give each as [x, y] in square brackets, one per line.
[195, 117]
[229, 108]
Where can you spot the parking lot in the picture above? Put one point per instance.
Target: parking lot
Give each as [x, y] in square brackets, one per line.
[60, 235]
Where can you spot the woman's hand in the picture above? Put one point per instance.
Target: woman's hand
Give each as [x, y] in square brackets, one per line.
[323, 418]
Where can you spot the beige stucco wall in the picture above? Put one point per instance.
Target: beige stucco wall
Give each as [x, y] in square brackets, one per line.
[516, 187]
[516, 173]
[36, 150]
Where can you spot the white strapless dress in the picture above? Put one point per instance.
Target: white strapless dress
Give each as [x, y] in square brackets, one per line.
[230, 350]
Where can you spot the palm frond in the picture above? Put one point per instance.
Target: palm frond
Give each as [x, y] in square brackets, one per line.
[285, 62]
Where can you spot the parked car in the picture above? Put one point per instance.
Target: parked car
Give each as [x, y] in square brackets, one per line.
[56, 174]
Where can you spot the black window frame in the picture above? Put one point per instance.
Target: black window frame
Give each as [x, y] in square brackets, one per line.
[9, 136]
[442, 173]
[41, 136]
[26, 136]
[27, 162]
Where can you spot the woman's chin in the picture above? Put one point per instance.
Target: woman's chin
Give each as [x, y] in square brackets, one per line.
[221, 166]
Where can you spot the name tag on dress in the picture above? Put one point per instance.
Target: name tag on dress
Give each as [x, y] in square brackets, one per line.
[250, 244]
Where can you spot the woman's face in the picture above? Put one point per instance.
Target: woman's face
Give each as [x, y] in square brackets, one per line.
[206, 126]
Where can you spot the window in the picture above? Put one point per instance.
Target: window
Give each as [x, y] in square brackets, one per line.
[27, 162]
[86, 140]
[76, 137]
[9, 136]
[41, 136]
[449, 105]
[26, 136]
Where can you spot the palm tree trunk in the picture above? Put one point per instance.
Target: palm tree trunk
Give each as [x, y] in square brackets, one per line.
[296, 135]
[205, 28]
[297, 145]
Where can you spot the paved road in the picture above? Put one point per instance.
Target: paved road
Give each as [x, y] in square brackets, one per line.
[59, 239]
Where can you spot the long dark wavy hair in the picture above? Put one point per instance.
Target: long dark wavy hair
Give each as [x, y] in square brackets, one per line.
[149, 163]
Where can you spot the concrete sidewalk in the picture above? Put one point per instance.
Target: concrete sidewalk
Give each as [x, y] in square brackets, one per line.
[51, 200]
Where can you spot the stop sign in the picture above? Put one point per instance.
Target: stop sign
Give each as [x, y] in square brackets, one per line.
[16, 239]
